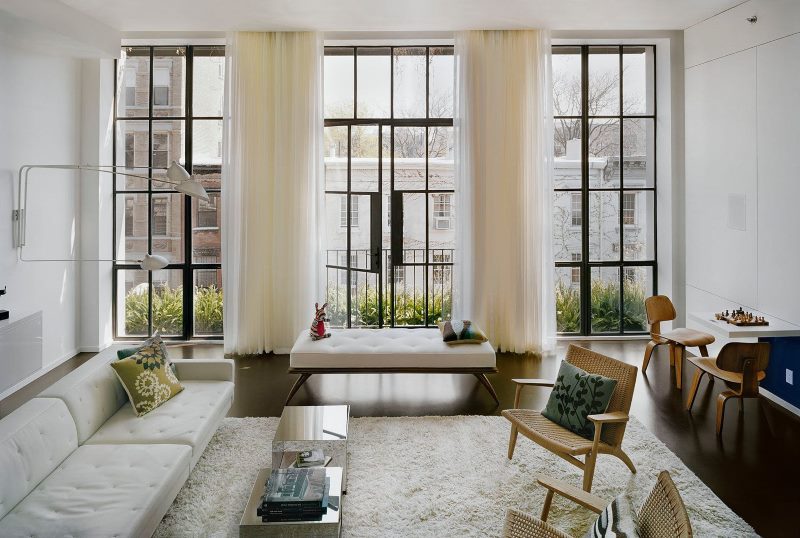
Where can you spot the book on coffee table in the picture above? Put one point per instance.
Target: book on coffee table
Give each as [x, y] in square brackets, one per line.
[300, 487]
[328, 525]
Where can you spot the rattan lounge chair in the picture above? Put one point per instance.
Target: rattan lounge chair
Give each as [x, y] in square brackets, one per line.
[663, 514]
[609, 426]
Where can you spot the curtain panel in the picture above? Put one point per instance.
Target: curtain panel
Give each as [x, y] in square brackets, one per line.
[503, 123]
[272, 132]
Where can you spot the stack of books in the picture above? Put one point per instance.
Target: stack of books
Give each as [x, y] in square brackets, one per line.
[295, 494]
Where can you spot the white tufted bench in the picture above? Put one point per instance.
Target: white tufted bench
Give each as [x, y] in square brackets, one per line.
[392, 350]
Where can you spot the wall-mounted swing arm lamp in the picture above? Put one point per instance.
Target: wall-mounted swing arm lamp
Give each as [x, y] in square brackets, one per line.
[176, 175]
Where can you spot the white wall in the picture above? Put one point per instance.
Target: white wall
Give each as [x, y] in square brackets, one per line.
[55, 109]
[39, 123]
[96, 203]
[742, 94]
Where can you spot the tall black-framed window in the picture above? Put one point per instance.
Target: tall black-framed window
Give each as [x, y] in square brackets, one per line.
[168, 108]
[389, 167]
[604, 227]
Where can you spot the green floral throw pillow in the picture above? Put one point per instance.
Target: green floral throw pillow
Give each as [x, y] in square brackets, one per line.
[576, 395]
[155, 340]
[147, 377]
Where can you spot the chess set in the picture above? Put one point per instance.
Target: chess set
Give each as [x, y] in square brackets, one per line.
[741, 318]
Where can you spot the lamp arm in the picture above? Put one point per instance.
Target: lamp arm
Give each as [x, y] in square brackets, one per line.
[120, 262]
[18, 215]
[98, 168]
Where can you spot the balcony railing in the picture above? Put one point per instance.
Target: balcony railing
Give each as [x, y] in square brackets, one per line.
[423, 291]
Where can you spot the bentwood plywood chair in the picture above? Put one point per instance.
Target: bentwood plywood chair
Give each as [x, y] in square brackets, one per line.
[659, 308]
[609, 426]
[663, 514]
[741, 365]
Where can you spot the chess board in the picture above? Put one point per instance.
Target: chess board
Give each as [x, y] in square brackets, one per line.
[743, 323]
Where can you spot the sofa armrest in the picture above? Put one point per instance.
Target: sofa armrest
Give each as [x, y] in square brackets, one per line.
[204, 369]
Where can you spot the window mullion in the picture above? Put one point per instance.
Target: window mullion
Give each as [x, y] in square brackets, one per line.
[585, 287]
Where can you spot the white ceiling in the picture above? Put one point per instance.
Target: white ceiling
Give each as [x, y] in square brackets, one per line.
[397, 15]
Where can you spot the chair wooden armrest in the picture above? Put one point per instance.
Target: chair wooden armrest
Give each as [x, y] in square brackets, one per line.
[609, 418]
[535, 382]
[576, 495]
[529, 383]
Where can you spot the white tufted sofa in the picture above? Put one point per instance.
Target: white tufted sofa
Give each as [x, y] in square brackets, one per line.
[76, 460]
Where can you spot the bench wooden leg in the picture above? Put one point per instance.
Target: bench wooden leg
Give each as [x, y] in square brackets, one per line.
[297, 384]
[488, 384]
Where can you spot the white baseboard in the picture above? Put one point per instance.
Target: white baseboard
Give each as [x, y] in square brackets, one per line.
[38, 373]
[93, 349]
[780, 401]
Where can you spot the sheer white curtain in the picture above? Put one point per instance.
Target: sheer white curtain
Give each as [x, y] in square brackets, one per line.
[503, 122]
[272, 132]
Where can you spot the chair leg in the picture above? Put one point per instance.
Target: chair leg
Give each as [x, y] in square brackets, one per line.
[680, 351]
[588, 471]
[698, 375]
[548, 499]
[648, 352]
[703, 351]
[512, 441]
[671, 354]
[721, 401]
[625, 459]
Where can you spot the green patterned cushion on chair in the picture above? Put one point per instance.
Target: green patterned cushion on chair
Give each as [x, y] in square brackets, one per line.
[147, 377]
[576, 395]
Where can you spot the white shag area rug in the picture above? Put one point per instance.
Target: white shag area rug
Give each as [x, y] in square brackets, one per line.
[436, 476]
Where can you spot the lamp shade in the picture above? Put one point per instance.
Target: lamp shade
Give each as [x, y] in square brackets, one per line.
[184, 182]
[177, 173]
[153, 262]
[192, 188]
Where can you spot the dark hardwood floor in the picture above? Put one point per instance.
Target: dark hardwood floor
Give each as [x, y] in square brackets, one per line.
[752, 467]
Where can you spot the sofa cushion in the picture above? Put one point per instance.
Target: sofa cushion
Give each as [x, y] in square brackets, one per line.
[374, 349]
[190, 418]
[92, 393]
[34, 440]
[101, 490]
[148, 379]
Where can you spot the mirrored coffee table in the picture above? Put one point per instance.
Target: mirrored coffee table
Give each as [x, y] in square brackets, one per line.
[305, 427]
[327, 526]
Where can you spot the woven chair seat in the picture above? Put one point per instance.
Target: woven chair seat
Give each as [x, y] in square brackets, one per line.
[549, 434]
[520, 525]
